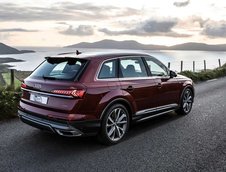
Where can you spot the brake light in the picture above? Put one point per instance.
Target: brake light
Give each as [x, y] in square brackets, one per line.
[23, 85]
[74, 93]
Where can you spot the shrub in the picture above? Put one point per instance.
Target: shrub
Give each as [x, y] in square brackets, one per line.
[8, 103]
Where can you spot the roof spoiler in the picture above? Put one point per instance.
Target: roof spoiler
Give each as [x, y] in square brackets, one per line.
[77, 52]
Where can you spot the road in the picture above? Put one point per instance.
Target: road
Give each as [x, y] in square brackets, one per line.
[196, 142]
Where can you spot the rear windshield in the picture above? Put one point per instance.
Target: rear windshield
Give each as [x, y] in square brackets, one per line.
[60, 69]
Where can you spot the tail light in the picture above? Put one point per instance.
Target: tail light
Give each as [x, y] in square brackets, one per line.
[74, 93]
[23, 85]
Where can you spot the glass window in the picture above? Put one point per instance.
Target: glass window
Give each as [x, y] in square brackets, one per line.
[59, 68]
[108, 70]
[132, 67]
[156, 67]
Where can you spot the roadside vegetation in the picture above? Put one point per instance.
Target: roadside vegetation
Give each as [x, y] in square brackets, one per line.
[7, 78]
[10, 95]
[9, 99]
[206, 75]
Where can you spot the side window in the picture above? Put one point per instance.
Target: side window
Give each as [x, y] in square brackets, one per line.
[108, 70]
[132, 67]
[156, 67]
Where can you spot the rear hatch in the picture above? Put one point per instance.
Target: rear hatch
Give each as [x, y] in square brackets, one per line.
[54, 87]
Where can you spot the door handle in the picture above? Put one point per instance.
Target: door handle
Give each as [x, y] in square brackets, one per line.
[130, 88]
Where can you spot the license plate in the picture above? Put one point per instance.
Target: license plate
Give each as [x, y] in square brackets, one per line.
[38, 98]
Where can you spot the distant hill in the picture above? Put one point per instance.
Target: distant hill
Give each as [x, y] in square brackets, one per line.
[5, 49]
[199, 46]
[129, 44]
[111, 44]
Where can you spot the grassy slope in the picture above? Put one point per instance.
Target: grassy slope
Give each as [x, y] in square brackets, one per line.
[6, 77]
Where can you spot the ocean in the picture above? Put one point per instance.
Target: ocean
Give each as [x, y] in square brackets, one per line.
[32, 60]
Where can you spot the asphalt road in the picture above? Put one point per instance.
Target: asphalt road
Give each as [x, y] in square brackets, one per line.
[196, 142]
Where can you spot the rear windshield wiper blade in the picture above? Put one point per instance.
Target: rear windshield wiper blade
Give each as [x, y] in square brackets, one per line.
[48, 77]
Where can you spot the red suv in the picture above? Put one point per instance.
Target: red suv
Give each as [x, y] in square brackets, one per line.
[101, 93]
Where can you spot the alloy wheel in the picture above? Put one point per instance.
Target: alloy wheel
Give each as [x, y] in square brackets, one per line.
[116, 124]
[187, 101]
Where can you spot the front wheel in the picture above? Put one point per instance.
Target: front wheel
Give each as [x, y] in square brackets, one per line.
[186, 102]
[115, 124]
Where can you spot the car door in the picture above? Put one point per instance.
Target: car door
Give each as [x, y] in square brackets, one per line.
[168, 88]
[136, 83]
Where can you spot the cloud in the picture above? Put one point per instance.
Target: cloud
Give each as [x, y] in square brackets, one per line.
[192, 24]
[17, 30]
[81, 30]
[214, 29]
[200, 20]
[148, 28]
[5, 36]
[63, 11]
[62, 23]
[158, 26]
[181, 4]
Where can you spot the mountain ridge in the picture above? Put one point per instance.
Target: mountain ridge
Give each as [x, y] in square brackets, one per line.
[5, 49]
[131, 44]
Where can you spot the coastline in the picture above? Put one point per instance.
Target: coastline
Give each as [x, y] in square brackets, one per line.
[5, 68]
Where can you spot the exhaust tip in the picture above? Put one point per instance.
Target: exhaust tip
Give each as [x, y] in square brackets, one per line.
[70, 133]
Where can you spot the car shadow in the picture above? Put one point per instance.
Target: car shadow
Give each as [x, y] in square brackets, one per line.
[81, 143]
[152, 123]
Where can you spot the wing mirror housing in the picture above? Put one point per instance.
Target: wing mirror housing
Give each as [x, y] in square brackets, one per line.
[172, 74]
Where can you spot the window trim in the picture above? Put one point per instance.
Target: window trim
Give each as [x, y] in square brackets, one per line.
[149, 76]
[158, 62]
[130, 57]
[116, 69]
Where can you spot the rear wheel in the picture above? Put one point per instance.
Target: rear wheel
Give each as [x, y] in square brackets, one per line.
[115, 124]
[186, 102]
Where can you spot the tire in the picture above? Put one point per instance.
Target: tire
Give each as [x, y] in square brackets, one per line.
[114, 125]
[186, 102]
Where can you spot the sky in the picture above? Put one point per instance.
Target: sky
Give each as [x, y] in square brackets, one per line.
[51, 23]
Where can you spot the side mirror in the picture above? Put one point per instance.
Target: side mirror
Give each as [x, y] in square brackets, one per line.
[172, 74]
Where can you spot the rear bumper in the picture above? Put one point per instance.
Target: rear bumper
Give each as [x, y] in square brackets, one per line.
[65, 128]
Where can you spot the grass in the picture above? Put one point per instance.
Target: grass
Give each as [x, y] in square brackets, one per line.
[7, 78]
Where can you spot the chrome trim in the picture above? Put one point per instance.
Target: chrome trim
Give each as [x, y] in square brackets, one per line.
[152, 116]
[48, 94]
[55, 127]
[127, 78]
[137, 78]
[141, 112]
[69, 133]
[99, 68]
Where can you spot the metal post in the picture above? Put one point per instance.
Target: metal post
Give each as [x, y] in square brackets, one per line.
[193, 66]
[12, 78]
[169, 65]
[181, 66]
[204, 65]
[219, 60]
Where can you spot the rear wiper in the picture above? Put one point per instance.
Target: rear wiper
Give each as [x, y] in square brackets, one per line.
[48, 77]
